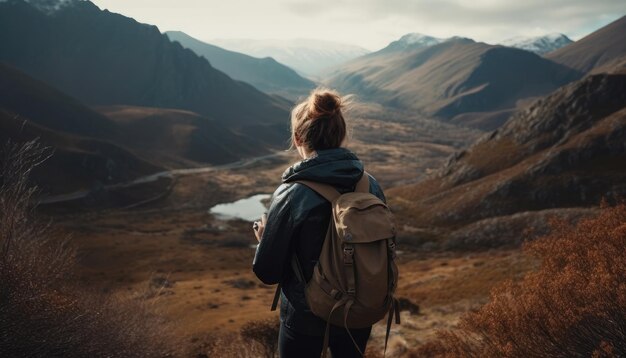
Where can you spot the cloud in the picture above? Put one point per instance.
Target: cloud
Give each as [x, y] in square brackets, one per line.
[487, 20]
[371, 23]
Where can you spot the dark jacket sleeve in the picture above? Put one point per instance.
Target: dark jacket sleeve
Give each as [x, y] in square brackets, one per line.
[271, 253]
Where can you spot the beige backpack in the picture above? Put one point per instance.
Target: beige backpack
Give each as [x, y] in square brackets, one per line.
[354, 281]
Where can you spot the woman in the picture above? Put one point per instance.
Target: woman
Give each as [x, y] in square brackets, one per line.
[297, 222]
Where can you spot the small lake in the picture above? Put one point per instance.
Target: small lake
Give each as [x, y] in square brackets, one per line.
[249, 209]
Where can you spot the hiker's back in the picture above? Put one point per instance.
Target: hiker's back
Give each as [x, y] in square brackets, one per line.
[311, 215]
[292, 237]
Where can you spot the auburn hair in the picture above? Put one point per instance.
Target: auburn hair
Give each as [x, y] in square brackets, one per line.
[318, 121]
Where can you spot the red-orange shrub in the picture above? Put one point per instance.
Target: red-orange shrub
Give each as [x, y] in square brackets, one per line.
[573, 306]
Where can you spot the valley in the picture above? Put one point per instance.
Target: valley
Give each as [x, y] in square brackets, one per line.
[195, 268]
[480, 148]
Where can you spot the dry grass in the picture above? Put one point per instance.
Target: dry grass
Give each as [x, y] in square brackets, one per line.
[573, 306]
[42, 312]
[264, 333]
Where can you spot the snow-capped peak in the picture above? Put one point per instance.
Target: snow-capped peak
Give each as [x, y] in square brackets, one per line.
[417, 38]
[539, 44]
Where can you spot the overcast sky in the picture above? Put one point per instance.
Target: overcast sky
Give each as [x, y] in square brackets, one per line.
[371, 24]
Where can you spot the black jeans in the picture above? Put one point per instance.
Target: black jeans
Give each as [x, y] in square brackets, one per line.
[292, 344]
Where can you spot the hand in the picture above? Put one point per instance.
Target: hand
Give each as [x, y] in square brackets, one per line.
[259, 227]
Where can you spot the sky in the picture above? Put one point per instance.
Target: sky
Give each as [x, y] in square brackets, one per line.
[371, 24]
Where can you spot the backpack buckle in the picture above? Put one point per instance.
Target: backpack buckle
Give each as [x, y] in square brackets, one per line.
[336, 294]
[348, 253]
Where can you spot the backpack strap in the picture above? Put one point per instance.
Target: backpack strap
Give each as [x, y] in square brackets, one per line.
[330, 193]
[276, 297]
[363, 186]
[297, 269]
[327, 191]
[394, 311]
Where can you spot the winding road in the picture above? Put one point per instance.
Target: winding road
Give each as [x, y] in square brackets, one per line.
[79, 194]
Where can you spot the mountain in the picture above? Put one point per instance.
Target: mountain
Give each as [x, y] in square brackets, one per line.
[452, 78]
[539, 44]
[263, 73]
[77, 162]
[307, 56]
[597, 52]
[48, 107]
[83, 157]
[178, 138]
[564, 151]
[168, 137]
[102, 58]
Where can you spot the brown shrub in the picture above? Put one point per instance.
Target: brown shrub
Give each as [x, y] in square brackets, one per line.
[42, 313]
[573, 306]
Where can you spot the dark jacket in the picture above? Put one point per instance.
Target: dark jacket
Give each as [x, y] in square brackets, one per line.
[297, 221]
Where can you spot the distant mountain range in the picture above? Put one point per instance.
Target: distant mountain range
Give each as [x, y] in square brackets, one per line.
[266, 74]
[451, 78]
[308, 57]
[539, 44]
[102, 58]
[559, 156]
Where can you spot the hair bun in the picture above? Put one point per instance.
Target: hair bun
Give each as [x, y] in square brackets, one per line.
[327, 103]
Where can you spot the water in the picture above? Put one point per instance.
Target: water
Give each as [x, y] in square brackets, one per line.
[249, 209]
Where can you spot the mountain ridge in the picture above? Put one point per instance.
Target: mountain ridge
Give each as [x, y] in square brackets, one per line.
[451, 78]
[596, 52]
[266, 74]
[103, 58]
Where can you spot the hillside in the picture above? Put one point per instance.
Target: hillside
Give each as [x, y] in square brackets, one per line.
[102, 58]
[78, 162]
[48, 107]
[171, 138]
[564, 151]
[178, 138]
[457, 76]
[266, 74]
[596, 52]
[84, 154]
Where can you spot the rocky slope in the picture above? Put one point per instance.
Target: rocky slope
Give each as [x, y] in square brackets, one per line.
[565, 150]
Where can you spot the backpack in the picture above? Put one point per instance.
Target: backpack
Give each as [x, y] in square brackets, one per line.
[354, 281]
